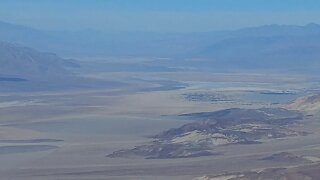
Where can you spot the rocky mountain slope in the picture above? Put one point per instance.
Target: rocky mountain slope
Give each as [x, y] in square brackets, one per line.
[24, 62]
[211, 129]
[310, 172]
[308, 104]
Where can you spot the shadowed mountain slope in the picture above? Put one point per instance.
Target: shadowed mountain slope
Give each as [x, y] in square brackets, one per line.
[24, 62]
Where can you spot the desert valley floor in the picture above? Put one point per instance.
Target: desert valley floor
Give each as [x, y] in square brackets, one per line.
[71, 134]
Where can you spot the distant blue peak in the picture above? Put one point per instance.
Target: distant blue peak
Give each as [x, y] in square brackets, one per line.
[313, 25]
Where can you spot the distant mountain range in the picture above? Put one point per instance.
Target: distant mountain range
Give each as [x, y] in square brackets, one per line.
[269, 47]
[24, 69]
[23, 62]
[273, 47]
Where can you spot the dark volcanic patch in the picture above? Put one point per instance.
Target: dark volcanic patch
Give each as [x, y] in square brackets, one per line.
[236, 116]
[211, 129]
[158, 150]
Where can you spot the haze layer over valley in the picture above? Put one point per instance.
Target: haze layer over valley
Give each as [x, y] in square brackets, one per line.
[87, 103]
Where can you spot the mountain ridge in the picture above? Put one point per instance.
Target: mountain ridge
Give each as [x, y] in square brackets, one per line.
[272, 47]
[20, 61]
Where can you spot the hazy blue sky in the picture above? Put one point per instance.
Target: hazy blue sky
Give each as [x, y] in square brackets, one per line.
[157, 15]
